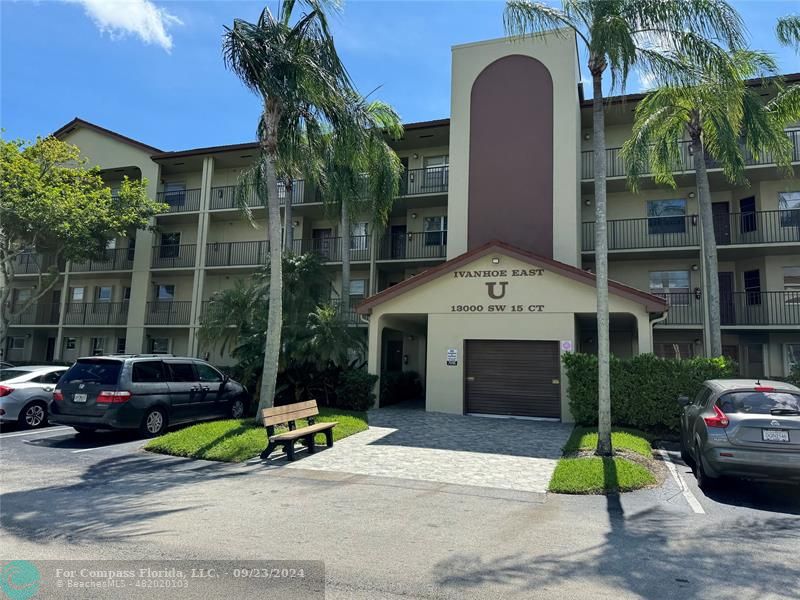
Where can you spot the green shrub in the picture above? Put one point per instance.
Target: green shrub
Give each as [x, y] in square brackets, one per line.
[644, 388]
[397, 386]
[354, 390]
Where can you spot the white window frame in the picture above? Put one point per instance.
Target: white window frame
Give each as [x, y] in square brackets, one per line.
[359, 241]
[73, 340]
[72, 293]
[442, 229]
[95, 347]
[12, 342]
[157, 292]
[363, 291]
[683, 298]
[787, 360]
[101, 300]
[124, 341]
[792, 288]
[153, 345]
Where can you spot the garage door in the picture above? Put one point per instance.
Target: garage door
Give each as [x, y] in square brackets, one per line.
[504, 377]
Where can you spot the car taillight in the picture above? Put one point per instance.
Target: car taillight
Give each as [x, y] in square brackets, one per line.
[5, 390]
[718, 420]
[763, 388]
[113, 397]
[58, 396]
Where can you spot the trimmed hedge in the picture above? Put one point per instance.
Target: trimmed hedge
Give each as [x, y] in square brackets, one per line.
[644, 388]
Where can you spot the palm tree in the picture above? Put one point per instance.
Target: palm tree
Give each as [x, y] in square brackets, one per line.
[721, 117]
[788, 31]
[293, 67]
[620, 35]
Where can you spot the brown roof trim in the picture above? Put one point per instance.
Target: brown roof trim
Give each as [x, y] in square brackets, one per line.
[428, 124]
[651, 302]
[206, 150]
[78, 122]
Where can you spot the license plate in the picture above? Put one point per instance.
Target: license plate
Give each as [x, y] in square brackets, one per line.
[774, 435]
[79, 398]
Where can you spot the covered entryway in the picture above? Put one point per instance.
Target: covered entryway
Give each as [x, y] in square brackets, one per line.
[512, 377]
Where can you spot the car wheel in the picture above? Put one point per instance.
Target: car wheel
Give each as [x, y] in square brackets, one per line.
[704, 482]
[34, 415]
[237, 408]
[154, 423]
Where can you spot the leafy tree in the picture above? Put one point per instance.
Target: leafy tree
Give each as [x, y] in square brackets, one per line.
[53, 209]
[620, 35]
[721, 117]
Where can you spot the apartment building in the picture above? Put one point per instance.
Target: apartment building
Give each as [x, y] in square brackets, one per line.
[483, 275]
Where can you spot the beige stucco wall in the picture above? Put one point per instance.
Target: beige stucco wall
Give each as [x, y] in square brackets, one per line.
[559, 56]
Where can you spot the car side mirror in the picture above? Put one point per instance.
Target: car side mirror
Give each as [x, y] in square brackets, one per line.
[683, 400]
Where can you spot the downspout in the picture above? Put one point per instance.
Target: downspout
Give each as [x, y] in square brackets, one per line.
[655, 322]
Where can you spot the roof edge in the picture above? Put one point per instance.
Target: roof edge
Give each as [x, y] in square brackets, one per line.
[78, 122]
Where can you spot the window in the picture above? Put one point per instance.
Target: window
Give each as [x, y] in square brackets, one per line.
[181, 371]
[159, 345]
[674, 286]
[435, 175]
[21, 296]
[98, 346]
[148, 371]
[358, 236]
[104, 293]
[666, 216]
[752, 287]
[175, 194]
[131, 247]
[70, 343]
[702, 396]
[16, 343]
[759, 403]
[77, 294]
[170, 245]
[747, 206]
[792, 353]
[94, 370]
[164, 293]
[120, 345]
[791, 285]
[111, 244]
[789, 204]
[358, 287]
[126, 294]
[435, 231]
[207, 373]
[50, 378]
[676, 350]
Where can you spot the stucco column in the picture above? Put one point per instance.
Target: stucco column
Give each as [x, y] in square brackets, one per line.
[62, 309]
[644, 334]
[198, 283]
[374, 353]
[373, 256]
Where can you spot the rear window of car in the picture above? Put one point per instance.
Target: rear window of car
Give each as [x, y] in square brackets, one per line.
[6, 374]
[105, 372]
[759, 403]
[150, 371]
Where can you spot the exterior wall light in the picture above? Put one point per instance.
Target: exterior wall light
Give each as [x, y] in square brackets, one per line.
[413, 215]
[691, 194]
[587, 202]
[697, 293]
[695, 267]
[495, 261]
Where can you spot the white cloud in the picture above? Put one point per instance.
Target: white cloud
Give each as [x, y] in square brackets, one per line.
[138, 17]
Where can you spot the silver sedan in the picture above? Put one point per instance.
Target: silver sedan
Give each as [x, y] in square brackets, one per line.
[25, 393]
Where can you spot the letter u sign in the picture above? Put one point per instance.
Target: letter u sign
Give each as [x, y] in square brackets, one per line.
[492, 293]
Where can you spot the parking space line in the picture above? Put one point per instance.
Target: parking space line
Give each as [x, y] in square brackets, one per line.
[37, 431]
[694, 503]
[101, 447]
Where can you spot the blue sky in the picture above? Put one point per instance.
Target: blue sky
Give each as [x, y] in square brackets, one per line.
[153, 70]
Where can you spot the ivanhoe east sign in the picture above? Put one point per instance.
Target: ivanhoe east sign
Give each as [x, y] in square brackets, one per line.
[497, 283]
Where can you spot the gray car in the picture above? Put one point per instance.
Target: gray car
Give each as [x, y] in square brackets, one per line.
[742, 428]
[25, 393]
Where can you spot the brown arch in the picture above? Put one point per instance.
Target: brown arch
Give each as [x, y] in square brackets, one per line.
[511, 155]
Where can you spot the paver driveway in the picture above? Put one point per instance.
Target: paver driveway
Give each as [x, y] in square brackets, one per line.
[512, 454]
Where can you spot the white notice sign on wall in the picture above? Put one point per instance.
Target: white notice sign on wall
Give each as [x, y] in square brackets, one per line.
[452, 357]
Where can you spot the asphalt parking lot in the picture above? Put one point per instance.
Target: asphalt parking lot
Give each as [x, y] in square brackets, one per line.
[104, 497]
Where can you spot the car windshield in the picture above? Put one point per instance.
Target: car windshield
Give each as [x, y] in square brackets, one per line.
[105, 372]
[760, 403]
[6, 374]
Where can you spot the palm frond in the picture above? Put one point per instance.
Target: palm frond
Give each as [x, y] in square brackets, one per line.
[788, 31]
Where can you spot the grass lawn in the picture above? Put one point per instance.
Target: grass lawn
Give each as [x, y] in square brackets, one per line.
[235, 440]
[596, 475]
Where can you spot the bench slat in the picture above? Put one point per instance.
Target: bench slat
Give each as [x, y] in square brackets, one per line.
[303, 431]
[289, 412]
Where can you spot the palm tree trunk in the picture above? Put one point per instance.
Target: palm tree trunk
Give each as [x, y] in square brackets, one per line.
[287, 217]
[710, 264]
[345, 241]
[601, 267]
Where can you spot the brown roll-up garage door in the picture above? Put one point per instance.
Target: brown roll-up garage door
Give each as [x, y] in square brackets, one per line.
[505, 377]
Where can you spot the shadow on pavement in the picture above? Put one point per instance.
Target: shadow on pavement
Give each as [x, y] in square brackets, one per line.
[70, 440]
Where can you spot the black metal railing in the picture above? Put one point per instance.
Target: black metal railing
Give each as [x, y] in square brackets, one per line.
[115, 259]
[224, 197]
[168, 312]
[759, 227]
[168, 256]
[685, 308]
[416, 245]
[430, 180]
[38, 313]
[349, 316]
[31, 263]
[181, 200]
[737, 309]
[227, 254]
[96, 313]
[616, 167]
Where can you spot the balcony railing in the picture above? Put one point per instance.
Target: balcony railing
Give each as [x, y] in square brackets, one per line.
[96, 313]
[32, 263]
[168, 312]
[170, 256]
[181, 200]
[761, 227]
[115, 259]
[36, 314]
[227, 254]
[737, 309]
[431, 180]
[417, 245]
[329, 249]
[616, 167]
[223, 197]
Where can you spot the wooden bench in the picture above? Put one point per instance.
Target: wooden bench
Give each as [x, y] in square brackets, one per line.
[289, 413]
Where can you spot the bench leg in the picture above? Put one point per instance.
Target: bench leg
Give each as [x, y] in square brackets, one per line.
[288, 447]
[268, 450]
[310, 444]
[329, 438]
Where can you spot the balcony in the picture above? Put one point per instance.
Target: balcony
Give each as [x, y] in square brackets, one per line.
[31, 263]
[734, 229]
[414, 246]
[173, 256]
[181, 200]
[37, 314]
[117, 259]
[740, 309]
[224, 197]
[96, 313]
[229, 254]
[615, 165]
[329, 249]
[168, 312]
[431, 180]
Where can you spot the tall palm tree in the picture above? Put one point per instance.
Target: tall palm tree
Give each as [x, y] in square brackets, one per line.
[721, 117]
[620, 35]
[788, 31]
[293, 67]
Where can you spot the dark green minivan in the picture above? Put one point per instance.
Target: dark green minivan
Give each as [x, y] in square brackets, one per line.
[144, 392]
